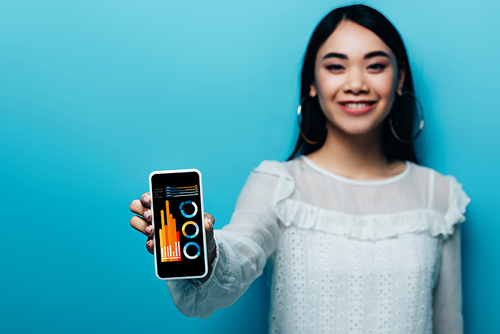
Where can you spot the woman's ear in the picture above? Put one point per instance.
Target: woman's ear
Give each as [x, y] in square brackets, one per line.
[312, 91]
[401, 80]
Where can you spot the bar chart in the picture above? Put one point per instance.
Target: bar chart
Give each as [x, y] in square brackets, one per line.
[169, 237]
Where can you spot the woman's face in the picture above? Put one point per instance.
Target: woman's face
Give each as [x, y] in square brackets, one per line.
[355, 79]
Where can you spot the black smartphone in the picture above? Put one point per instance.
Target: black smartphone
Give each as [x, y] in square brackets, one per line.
[180, 249]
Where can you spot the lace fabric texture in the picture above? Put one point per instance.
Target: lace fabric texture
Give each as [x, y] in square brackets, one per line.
[344, 256]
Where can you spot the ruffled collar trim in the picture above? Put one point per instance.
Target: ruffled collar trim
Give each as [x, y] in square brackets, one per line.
[368, 227]
[358, 182]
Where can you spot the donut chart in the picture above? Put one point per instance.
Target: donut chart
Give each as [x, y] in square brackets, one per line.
[190, 236]
[194, 206]
[193, 256]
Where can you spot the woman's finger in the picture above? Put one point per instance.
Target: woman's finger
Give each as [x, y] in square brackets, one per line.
[209, 227]
[150, 245]
[141, 225]
[211, 245]
[137, 207]
[146, 200]
[209, 222]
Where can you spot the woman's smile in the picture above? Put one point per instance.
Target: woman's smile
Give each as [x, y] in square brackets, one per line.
[357, 107]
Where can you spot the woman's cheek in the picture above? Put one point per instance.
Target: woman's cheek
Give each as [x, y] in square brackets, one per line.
[385, 84]
[330, 86]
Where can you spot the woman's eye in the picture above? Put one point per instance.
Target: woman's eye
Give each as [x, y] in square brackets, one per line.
[334, 67]
[377, 66]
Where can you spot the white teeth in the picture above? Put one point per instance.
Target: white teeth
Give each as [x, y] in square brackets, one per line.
[356, 105]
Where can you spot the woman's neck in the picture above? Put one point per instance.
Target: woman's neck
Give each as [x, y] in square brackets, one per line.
[357, 157]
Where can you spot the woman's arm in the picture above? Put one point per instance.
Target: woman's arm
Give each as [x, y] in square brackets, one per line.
[447, 302]
[243, 247]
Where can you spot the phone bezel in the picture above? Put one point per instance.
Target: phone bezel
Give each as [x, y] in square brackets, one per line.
[177, 171]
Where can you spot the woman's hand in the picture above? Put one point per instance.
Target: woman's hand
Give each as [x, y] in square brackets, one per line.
[142, 223]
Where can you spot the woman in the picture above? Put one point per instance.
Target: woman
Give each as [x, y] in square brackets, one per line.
[359, 237]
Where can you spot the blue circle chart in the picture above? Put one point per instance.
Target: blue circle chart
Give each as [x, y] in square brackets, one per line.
[190, 236]
[195, 209]
[189, 256]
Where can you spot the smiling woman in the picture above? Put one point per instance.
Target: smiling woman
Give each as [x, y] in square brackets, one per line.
[358, 237]
[356, 77]
[357, 48]
[355, 82]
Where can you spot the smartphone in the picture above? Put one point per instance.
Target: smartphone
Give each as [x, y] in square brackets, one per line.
[180, 249]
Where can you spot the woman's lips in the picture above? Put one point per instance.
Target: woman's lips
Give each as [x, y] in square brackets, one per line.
[356, 108]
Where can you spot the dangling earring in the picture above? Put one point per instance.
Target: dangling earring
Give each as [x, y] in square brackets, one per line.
[420, 127]
[299, 118]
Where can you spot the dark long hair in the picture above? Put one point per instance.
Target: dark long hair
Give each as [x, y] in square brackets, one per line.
[314, 120]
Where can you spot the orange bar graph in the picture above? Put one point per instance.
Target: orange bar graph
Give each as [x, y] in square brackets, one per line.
[170, 245]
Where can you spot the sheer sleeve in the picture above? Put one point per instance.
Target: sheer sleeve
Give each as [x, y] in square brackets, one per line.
[243, 247]
[447, 295]
[447, 301]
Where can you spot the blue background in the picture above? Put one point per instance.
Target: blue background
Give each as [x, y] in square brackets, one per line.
[94, 95]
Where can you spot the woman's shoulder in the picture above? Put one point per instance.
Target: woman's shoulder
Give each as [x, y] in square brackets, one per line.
[278, 168]
[442, 184]
[446, 195]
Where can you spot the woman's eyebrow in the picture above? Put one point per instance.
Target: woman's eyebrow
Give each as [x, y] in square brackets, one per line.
[368, 55]
[375, 54]
[335, 55]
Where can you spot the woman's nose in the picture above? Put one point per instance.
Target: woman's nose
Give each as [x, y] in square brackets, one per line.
[355, 82]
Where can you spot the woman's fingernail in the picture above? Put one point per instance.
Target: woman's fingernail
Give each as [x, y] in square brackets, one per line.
[146, 200]
[210, 222]
[149, 229]
[147, 215]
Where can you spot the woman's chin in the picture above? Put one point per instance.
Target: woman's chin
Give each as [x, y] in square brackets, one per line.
[357, 131]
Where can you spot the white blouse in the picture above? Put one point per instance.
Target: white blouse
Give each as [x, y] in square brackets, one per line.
[346, 256]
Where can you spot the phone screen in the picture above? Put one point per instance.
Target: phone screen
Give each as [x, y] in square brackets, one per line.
[177, 208]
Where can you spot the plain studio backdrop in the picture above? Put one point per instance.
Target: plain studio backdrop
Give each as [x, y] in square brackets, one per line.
[94, 95]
